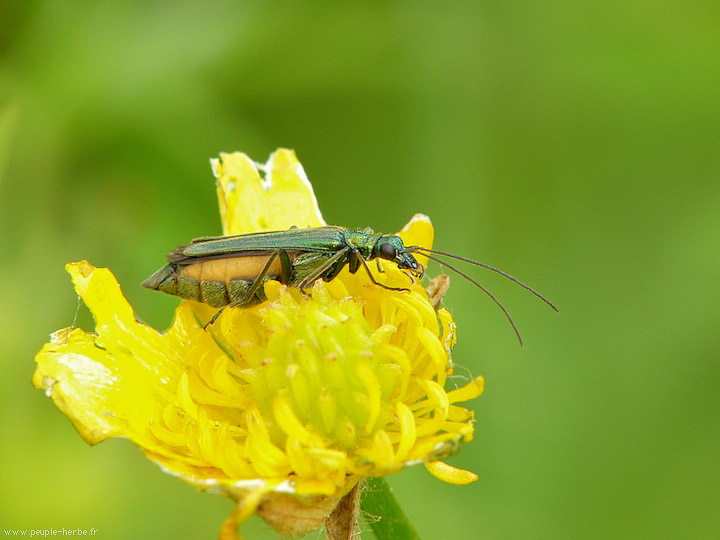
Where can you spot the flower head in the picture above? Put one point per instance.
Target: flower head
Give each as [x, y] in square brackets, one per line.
[288, 403]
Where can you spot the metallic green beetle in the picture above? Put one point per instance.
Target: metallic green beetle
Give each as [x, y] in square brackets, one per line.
[230, 270]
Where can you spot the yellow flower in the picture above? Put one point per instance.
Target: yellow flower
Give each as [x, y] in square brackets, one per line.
[285, 406]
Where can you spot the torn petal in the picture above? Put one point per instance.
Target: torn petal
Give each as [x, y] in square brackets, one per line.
[451, 475]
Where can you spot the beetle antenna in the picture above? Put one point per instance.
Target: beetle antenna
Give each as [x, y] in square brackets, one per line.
[424, 251]
[483, 289]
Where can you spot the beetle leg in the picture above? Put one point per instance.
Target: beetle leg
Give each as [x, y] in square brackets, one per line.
[259, 280]
[336, 259]
[285, 275]
[373, 279]
[285, 268]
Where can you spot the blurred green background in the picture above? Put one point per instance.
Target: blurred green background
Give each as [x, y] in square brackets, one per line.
[573, 144]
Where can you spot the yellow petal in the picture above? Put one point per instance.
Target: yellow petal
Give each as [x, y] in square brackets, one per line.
[282, 199]
[75, 375]
[451, 475]
[407, 431]
[243, 510]
[288, 421]
[470, 391]
[382, 449]
[418, 232]
[115, 382]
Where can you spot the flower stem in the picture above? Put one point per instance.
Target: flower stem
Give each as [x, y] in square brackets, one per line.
[392, 523]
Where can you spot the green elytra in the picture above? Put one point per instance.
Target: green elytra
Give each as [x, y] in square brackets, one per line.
[296, 257]
[229, 271]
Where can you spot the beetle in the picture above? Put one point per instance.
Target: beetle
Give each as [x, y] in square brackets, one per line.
[229, 271]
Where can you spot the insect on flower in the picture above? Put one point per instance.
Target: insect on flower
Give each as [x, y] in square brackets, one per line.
[287, 408]
[229, 271]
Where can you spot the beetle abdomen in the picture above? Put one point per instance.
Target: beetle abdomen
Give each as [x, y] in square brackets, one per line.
[216, 282]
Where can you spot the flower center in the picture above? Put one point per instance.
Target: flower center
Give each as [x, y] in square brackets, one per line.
[319, 369]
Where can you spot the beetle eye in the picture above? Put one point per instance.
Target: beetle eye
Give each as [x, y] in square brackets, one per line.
[387, 251]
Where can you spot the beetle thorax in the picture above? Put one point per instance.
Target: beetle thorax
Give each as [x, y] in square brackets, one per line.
[363, 241]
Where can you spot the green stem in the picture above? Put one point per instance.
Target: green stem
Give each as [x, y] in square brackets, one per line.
[391, 522]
